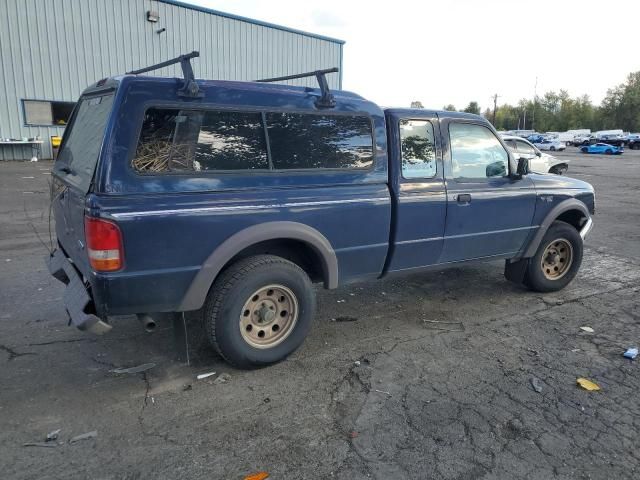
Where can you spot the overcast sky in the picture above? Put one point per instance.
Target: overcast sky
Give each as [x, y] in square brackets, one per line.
[456, 51]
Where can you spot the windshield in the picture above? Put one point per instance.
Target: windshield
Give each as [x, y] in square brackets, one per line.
[78, 156]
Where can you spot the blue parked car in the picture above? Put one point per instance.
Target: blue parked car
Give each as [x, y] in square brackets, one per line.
[231, 199]
[602, 148]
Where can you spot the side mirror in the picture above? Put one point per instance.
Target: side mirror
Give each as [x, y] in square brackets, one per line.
[523, 166]
[538, 154]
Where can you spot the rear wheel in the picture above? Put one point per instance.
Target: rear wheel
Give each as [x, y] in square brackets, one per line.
[557, 259]
[584, 150]
[552, 148]
[608, 151]
[259, 311]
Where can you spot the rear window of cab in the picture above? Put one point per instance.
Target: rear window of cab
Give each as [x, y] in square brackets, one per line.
[174, 140]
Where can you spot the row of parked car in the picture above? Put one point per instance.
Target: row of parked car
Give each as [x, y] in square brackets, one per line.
[631, 140]
[603, 144]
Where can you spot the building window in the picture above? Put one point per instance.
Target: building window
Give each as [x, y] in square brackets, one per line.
[41, 112]
[303, 141]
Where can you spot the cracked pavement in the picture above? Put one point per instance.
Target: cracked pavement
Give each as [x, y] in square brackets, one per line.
[430, 377]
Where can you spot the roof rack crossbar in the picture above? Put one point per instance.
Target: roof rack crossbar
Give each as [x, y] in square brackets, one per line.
[326, 100]
[190, 87]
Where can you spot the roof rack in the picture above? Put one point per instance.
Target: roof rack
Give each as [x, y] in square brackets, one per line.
[326, 100]
[190, 87]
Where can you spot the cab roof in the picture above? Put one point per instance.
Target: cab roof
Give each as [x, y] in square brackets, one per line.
[407, 112]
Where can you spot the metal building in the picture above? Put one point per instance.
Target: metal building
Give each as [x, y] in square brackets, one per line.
[50, 50]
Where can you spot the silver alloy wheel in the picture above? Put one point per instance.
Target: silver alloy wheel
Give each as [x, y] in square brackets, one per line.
[269, 316]
[556, 259]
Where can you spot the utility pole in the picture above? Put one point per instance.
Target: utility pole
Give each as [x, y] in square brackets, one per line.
[495, 108]
[535, 100]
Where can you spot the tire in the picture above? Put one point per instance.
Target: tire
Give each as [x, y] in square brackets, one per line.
[608, 152]
[234, 331]
[553, 149]
[584, 150]
[540, 276]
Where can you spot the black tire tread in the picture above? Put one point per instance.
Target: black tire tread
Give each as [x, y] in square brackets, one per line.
[233, 274]
[528, 279]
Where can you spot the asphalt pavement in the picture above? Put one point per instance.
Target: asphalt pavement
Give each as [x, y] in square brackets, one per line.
[455, 374]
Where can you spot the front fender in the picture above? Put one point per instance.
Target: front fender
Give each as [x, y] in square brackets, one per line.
[199, 288]
[554, 213]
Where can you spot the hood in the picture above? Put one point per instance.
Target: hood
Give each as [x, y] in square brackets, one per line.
[560, 182]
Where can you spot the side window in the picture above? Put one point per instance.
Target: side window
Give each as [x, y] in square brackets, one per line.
[304, 141]
[191, 140]
[525, 148]
[512, 144]
[476, 153]
[417, 149]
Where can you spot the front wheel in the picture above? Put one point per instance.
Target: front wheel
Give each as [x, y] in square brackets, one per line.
[559, 169]
[553, 149]
[557, 259]
[584, 150]
[259, 311]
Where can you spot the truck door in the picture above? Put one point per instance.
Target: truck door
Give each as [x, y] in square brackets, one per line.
[489, 214]
[417, 181]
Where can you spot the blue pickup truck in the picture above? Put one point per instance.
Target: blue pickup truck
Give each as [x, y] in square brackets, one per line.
[234, 198]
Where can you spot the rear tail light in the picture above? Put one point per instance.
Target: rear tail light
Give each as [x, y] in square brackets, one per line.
[104, 244]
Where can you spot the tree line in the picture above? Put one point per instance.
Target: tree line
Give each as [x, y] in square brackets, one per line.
[558, 111]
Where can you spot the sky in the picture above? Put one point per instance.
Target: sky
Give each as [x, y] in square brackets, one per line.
[457, 51]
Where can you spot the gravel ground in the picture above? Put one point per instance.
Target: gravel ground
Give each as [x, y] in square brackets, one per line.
[426, 376]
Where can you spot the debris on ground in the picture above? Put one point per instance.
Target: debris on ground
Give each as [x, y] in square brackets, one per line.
[631, 353]
[587, 329]
[536, 384]
[267, 400]
[575, 350]
[257, 476]
[222, 378]
[357, 363]
[187, 387]
[383, 391]
[139, 369]
[353, 434]
[40, 444]
[84, 436]
[442, 325]
[346, 319]
[205, 375]
[588, 385]
[52, 436]
[341, 301]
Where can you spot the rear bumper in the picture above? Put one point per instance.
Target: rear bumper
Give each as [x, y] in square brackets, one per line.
[77, 299]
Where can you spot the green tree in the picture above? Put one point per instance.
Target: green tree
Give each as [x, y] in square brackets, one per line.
[450, 108]
[473, 107]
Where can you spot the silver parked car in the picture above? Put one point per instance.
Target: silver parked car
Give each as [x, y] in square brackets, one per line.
[539, 162]
[551, 144]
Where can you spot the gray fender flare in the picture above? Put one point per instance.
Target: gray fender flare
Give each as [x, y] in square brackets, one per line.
[199, 288]
[564, 206]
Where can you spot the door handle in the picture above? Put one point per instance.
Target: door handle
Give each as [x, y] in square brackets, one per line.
[464, 198]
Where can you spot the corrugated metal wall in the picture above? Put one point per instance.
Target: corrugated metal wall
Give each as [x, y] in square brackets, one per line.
[53, 49]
